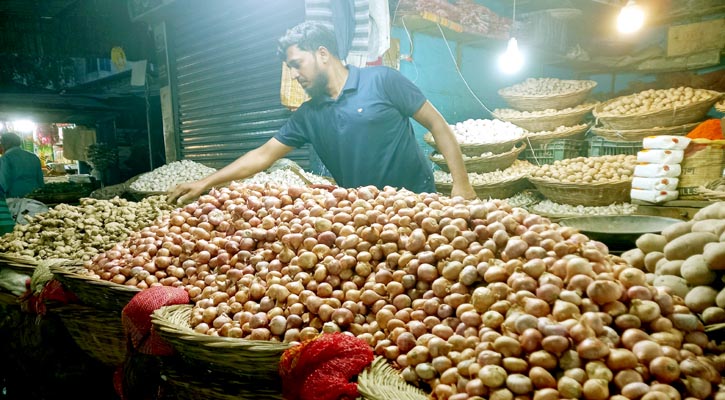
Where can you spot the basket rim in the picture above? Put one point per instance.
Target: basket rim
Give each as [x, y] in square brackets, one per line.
[551, 135]
[603, 131]
[504, 182]
[473, 160]
[591, 85]
[581, 186]
[597, 113]
[70, 273]
[576, 111]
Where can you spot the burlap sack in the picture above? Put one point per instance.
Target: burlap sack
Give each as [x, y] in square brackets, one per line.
[703, 162]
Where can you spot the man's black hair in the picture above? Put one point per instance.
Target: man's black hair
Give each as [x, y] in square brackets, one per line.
[308, 36]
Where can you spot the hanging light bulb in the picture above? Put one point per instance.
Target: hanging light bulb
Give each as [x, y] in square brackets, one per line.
[631, 18]
[512, 60]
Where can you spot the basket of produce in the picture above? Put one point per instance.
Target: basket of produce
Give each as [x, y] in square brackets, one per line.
[713, 191]
[633, 135]
[163, 178]
[93, 291]
[480, 136]
[547, 120]
[136, 195]
[499, 184]
[663, 107]
[482, 164]
[575, 132]
[247, 358]
[495, 190]
[587, 181]
[21, 264]
[61, 192]
[555, 211]
[96, 331]
[536, 94]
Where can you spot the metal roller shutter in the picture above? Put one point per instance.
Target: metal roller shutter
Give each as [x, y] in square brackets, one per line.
[227, 77]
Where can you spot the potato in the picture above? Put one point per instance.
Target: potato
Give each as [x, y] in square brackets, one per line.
[669, 267]
[696, 272]
[714, 256]
[650, 242]
[677, 229]
[677, 285]
[651, 259]
[713, 211]
[688, 244]
[713, 315]
[720, 299]
[634, 257]
[715, 226]
[700, 297]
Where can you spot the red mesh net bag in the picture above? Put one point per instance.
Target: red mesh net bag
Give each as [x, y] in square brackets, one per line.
[136, 317]
[322, 368]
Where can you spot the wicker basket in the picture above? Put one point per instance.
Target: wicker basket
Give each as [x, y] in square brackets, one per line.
[250, 359]
[485, 164]
[664, 118]
[94, 291]
[585, 194]
[23, 265]
[136, 195]
[575, 132]
[475, 150]
[720, 106]
[545, 102]
[709, 192]
[550, 122]
[498, 190]
[632, 135]
[97, 332]
[381, 382]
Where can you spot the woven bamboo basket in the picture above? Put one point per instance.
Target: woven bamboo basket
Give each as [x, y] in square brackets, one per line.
[576, 132]
[184, 380]
[664, 118]
[545, 102]
[381, 382]
[249, 359]
[585, 194]
[485, 164]
[720, 106]
[632, 135]
[711, 191]
[94, 291]
[550, 122]
[499, 190]
[475, 150]
[97, 332]
[23, 265]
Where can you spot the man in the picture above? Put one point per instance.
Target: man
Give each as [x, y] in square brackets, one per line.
[20, 170]
[357, 120]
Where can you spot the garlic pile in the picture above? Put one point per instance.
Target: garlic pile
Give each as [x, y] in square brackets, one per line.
[548, 207]
[167, 176]
[477, 131]
[522, 199]
[655, 100]
[510, 113]
[285, 177]
[546, 87]
[610, 168]
[519, 168]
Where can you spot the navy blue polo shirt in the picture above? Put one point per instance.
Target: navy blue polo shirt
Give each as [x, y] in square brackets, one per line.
[365, 136]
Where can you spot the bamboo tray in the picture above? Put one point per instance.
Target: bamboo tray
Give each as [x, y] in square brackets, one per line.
[94, 291]
[632, 135]
[476, 149]
[547, 101]
[538, 123]
[487, 163]
[664, 118]
[585, 194]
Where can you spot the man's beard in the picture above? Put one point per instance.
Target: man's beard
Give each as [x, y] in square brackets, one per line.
[318, 86]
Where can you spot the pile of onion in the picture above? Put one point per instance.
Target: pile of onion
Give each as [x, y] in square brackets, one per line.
[465, 298]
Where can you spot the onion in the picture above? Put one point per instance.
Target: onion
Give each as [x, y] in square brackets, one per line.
[664, 369]
[492, 376]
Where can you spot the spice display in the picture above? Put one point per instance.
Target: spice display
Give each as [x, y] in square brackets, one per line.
[709, 129]
[466, 298]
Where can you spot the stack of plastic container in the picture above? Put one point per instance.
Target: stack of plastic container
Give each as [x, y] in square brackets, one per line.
[656, 174]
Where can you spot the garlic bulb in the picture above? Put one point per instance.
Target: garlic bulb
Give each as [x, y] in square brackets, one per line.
[167, 176]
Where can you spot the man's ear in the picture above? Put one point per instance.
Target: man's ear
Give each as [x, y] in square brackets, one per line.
[324, 53]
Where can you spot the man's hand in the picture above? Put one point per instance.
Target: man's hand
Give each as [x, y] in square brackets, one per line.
[186, 192]
[464, 190]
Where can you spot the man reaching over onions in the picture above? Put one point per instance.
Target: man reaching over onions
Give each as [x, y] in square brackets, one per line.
[357, 120]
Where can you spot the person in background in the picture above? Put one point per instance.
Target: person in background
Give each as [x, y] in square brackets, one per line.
[20, 170]
[357, 120]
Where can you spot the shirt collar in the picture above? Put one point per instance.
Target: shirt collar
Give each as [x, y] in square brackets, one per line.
[12, 149]
[351, 84]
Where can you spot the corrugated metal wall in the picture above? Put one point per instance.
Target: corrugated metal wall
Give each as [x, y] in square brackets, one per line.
[227, 77]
